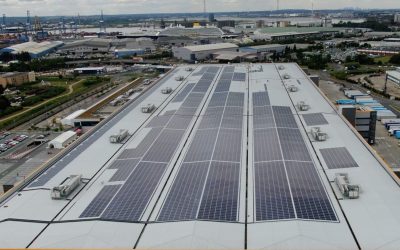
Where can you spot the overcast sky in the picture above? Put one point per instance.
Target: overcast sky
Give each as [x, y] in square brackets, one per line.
[88, 7]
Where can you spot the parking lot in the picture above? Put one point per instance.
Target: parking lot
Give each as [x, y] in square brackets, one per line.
[21, 160]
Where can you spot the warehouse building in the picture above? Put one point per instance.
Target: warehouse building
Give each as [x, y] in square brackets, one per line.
[16, 78]
[35, 50]
[241, 156]
[202, 52]
[394, 76]
[197, 32]
[268, 48]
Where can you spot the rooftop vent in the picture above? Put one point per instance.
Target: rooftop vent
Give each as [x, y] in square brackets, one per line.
[281, 67]
[120, 136]
[179, 78]
[293, 88]
[318, 135]
[166, 90]
[148, 109]
[189, 69]
[347, 190]
[286, 76]
[302, 106]
[64, 190]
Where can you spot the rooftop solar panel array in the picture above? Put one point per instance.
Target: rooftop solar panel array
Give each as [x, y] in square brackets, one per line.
[216, 149]
[315, 119]
[336, 158]
[286, 183]
[154, 153]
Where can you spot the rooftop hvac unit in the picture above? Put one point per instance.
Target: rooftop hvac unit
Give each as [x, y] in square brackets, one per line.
[166, 91]
[179, 78]
[63, 191]
[286, 76]
[120, 136]
[347, 190]
[302, 106]
[293, 88]
[189, 69]
[281, 67]
[149, 108]
[318, 135]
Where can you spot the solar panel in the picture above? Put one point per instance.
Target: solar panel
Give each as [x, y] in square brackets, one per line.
[144, 145]
[338, 158]
[261, 99]
[283, 118]
[232, 118]
[229, 69]
[183, 200]
[266, 145]
[293, 145]
[183, 94]
[132, 199]
[193, 100]
[202, 146]
[273, 200]
[179, 122]
[310, 198]
[164, 147]
[220, 198]
[235, 99]
[263, 117]
[211, 118]
[223, 86]
[218, 100]
[315, 119]
[100, 202]
[229, 146]
[159, 121]
[124, 169]
[226, 76]
[239, 77]
[186, 111]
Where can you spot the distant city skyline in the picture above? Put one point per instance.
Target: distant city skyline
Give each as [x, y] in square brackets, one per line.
[93, 7]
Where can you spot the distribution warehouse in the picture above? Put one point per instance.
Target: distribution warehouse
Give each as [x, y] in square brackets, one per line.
[236, 156]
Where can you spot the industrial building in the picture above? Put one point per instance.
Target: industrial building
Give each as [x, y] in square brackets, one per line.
[16, 78]
[197, 32]
[394, 76]
[90, 71]
[268, 48]
[35, 50]
[241, 156]
[202, 52]
[281, 34]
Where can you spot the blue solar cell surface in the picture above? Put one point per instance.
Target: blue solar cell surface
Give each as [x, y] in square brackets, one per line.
[100, 202]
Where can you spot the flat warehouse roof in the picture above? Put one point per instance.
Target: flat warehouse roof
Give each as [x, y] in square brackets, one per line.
[227, 160]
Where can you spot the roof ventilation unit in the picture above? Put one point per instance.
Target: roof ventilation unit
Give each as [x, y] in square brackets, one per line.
[120, 136]
[63, 191]
[302, 106]
[166, 91]
[189, 69]
[347, 190]
[281, 67]
[318, 135]
[286, 76]
[293, 88]
[179, 78]
[148, 109]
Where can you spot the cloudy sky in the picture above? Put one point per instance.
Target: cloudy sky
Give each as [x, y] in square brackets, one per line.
[87, 7]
